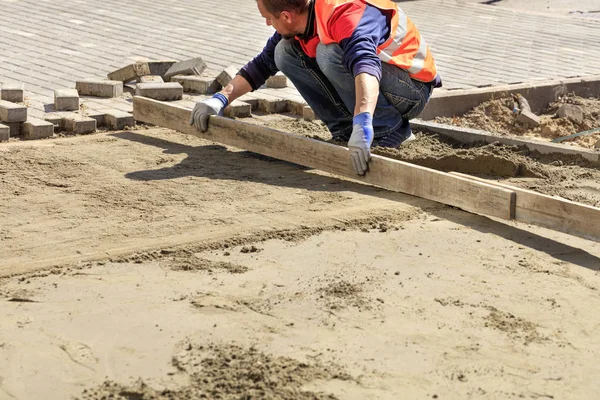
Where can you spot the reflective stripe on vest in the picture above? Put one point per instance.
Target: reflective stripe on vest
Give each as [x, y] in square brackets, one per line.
[405, 47]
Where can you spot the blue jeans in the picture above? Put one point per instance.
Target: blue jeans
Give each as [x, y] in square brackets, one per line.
[330, 91]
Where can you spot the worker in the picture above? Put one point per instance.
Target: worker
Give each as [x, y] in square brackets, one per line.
[361, 65]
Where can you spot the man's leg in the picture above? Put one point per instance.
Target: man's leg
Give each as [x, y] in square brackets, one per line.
[407, 95]
[314, 87]
[400, 97]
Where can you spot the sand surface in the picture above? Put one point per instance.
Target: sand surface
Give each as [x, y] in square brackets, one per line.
[146, 264]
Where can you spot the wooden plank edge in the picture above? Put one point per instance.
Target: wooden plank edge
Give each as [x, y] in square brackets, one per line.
[540, 209]
[466, 194]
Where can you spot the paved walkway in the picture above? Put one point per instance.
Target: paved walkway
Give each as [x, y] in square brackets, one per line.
[49, 45]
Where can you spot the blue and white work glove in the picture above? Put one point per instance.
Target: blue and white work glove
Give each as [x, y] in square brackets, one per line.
[360, 142]
[205, 108]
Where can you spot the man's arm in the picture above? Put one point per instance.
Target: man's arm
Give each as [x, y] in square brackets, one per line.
[250, 77]
[359, 29]
[238, 87]
[254, 74]
[367, 92]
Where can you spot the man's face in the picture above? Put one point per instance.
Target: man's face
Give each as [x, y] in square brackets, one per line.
[283, 23]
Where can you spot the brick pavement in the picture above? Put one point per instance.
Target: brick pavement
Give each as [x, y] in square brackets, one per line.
[49, 45]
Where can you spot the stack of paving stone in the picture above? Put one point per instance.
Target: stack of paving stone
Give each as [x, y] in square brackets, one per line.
[13, 116]
[68, 116]
[71, 116]
[164, 79]
[167, 80]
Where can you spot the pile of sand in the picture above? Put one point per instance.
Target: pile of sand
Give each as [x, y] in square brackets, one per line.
[497, 116]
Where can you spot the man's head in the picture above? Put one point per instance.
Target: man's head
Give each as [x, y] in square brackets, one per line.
[288, 17]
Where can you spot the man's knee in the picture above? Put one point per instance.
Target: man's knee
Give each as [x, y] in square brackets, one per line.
[329, 57]
[285, 54]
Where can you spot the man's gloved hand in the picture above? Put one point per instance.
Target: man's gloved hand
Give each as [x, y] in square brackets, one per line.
[206, 108]
[360, 142]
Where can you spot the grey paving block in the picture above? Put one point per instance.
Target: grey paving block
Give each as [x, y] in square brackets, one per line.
[308, 114]
[54, 119]
[239, 109]
[66, 100]
[130, 72]
[528, 118]
[160, 67]
[150, 79]
[227, 75]
[11, 112]
[4, 133]
[197, 84]
[79, 124]
[15, 128]
[194, 66]
[118, 120]
[273, 105]
[278, 81]
[296, 107]
[99, 116]
[12, 92]
[99, 88]
[37, 129]
[160, 91]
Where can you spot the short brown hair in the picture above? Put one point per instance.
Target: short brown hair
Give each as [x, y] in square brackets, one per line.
[275, 7]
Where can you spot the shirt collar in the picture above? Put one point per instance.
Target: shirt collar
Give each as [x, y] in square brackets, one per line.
[309, 32]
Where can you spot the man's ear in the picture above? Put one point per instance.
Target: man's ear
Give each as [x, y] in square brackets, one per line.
[287, 16]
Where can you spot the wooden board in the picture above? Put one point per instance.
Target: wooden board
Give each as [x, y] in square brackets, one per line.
[466, 194]
[551, 212]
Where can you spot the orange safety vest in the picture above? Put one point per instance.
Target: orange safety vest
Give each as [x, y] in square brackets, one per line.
[405, 48]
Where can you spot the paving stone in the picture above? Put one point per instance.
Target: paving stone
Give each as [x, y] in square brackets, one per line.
[4, 133]
[160, 91]
[79, 124]
[130, 72]
[118, 120]
[197, 84]
[239, 109]
[528, 118]
[151, 79]
[11, 112]
[99, 88]
[273, 106]
[54, 119]
[195, 66]
[227, 75]
[296, 107]
[98, 116]
[308, 114]
[37, 129]
[15, 128]
[251, 99]
[278, 81]
[572, 112]
[160, 67]
[66, 100]
[12, 92]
